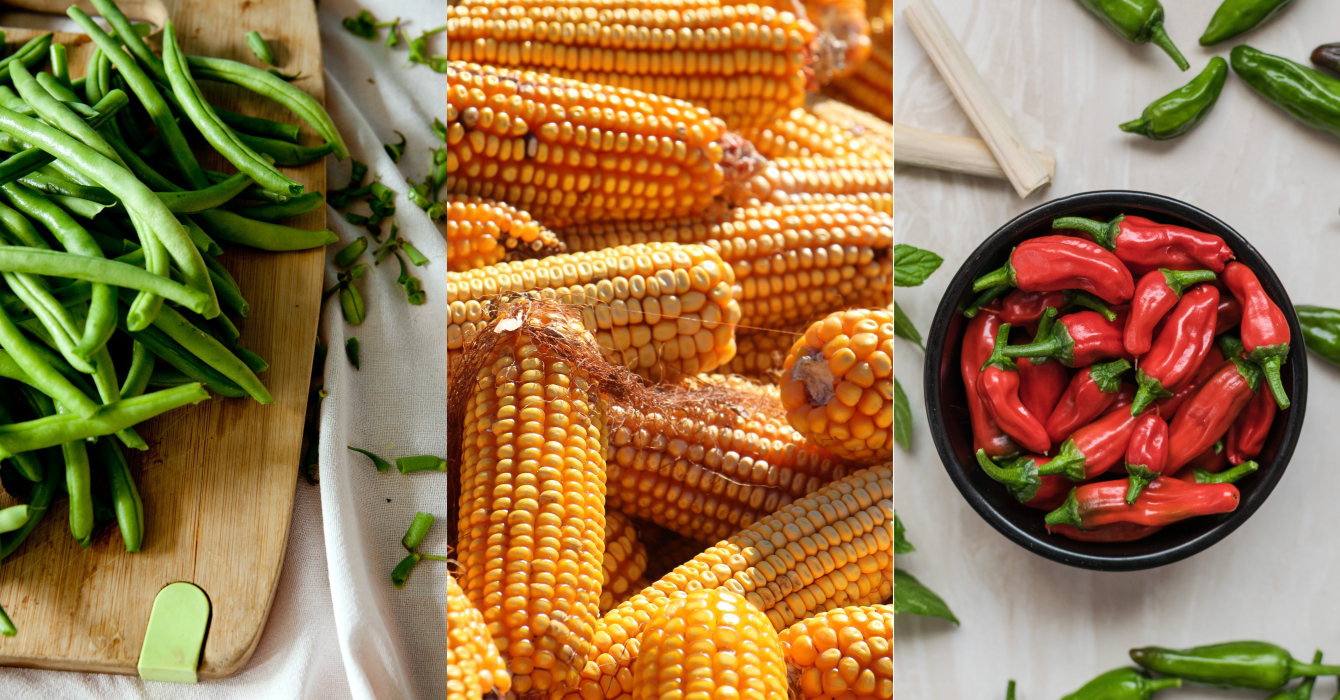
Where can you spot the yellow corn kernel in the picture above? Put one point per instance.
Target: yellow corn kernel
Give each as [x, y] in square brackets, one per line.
[745, 64]
[855, 122]
[481, 232]
[473, 664]
[870, 87]
[830, 549]
[635, 296]
[803, 133]
[843, 651]
[790, 262]
[788, 180]
[710, 645]
[624, 563]
[759, 354]
[531, 533]
[842, 399]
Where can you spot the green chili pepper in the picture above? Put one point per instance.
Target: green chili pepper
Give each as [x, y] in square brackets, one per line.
[1237, 17]
[1179, 111]
[1136, 21]
[1304, 690]
[421, 463]
[1258, 665]
[1311, 97]
[1321, 331]
[1123, 684]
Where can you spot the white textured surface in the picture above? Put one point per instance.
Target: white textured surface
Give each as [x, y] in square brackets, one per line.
[1068, 82]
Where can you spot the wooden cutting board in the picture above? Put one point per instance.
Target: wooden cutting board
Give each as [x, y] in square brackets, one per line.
[219, 477]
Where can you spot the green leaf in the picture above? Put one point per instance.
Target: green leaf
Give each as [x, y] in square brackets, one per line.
[910, 596]
[395, 150]
[912, 265]
[382, 465]
[351, 350]
[903, 327]
[900, 543]
[902, 416]
[362, 26]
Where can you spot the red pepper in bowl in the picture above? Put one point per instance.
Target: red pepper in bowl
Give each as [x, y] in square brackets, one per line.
[998, 385]
[1098, 446]
[1041, 385]
[1147, 245]
[1028, 481]
[1167, 407]
[979, 339]
[1230, 314]
[1146, 454]
[1021, 308]
[1056, 263]
[1180, 347]
[1248, 433]
[1265, 330]
[1090, 394]
[1116, 532]
[1163, 502]
[1155, 295]
[1208, 413]
[1077, 340]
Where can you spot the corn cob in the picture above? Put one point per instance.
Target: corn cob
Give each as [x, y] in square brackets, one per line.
[710, 644]
[657, 309]
[569, 151]
[843, 653]
[664, 5]
[830, 549]
[624, 563]
[481, 232]
[744, 64]
[531, 533]
[837, 384]
[870, 87]
[473, 664]
[855, 122]
[802, 133]
[760, 354]
[791, 180]
[790, 262]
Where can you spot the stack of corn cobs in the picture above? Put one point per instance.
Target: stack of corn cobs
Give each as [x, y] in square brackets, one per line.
[113, 309]
[642, 196]
[1149, 354]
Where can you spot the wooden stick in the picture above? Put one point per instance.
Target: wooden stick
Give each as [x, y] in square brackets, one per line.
[1021, 165]
[956, 154]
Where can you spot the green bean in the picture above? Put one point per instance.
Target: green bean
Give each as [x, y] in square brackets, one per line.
[32, 158]
[154, 221]
[13, 518]
[20, 230]
[230, 296]
[261, 82]
[286, 154]
[223, 329]
[260, 47]
[212, 128]
[255, 362]
[257, 126]
[39, 499]
[213, 353]
[58, 325]
[417, 530]
[102, 311]
[202, 241]
[125, 497]
[60, 64]
[171, 352]
[78, 206]
[169, 376]
[35, 261]
[44, 377]
[296, 206]
[78, 483]
[60, 91]
[141, 366]
[143, 87]
[209, 198]
[129, 34]
[60, 429]
[58, 114]
[11, 100]
[30, 54]
[25, 462]
[49, 181]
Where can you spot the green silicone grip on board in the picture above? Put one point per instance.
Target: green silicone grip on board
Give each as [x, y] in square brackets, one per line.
[176, 634]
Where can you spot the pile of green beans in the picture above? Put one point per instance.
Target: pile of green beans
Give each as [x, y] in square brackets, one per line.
[113, 309]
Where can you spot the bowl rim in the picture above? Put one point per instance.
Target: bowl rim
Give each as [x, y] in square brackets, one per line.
[974, 265]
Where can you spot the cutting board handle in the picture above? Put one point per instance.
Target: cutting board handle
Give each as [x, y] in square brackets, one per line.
[146, 10]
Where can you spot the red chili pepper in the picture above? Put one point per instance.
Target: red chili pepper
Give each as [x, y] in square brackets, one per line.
[1041, 386]
[1055, 263]
[1163, 502]
[1265, 330]
[1208, 413]
[1146, 454]
[1167, 407]
[1180, 348]
[1023, 480]
[1155, 295]
[1091, 392]
[1230, 313]
[1248, 433]
[1098, 446]
[1146, 245]
[1077, 340]
[1116, 532]
[979, 338]
[1021, 308]
[998, 386]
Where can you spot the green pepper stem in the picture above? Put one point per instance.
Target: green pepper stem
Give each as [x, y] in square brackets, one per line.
[1009, 690]
[1159, 38]
[1042, 348]
[1000, 277]
[1010, 477]
[1178, 281]
[1230, 346]
[1228, 476]
[1301, 669]
[1104, 234]
[1156, 684]
[1271, 366]
[1067, 514]
[998, 359]
[1151, 390]
[1134, 126]
[986, 297]
[1141, 475]
[1092, 303]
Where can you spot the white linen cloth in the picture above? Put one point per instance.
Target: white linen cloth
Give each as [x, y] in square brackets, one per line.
[338, 629]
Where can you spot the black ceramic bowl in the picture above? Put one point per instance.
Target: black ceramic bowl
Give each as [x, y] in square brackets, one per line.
[947, 410]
